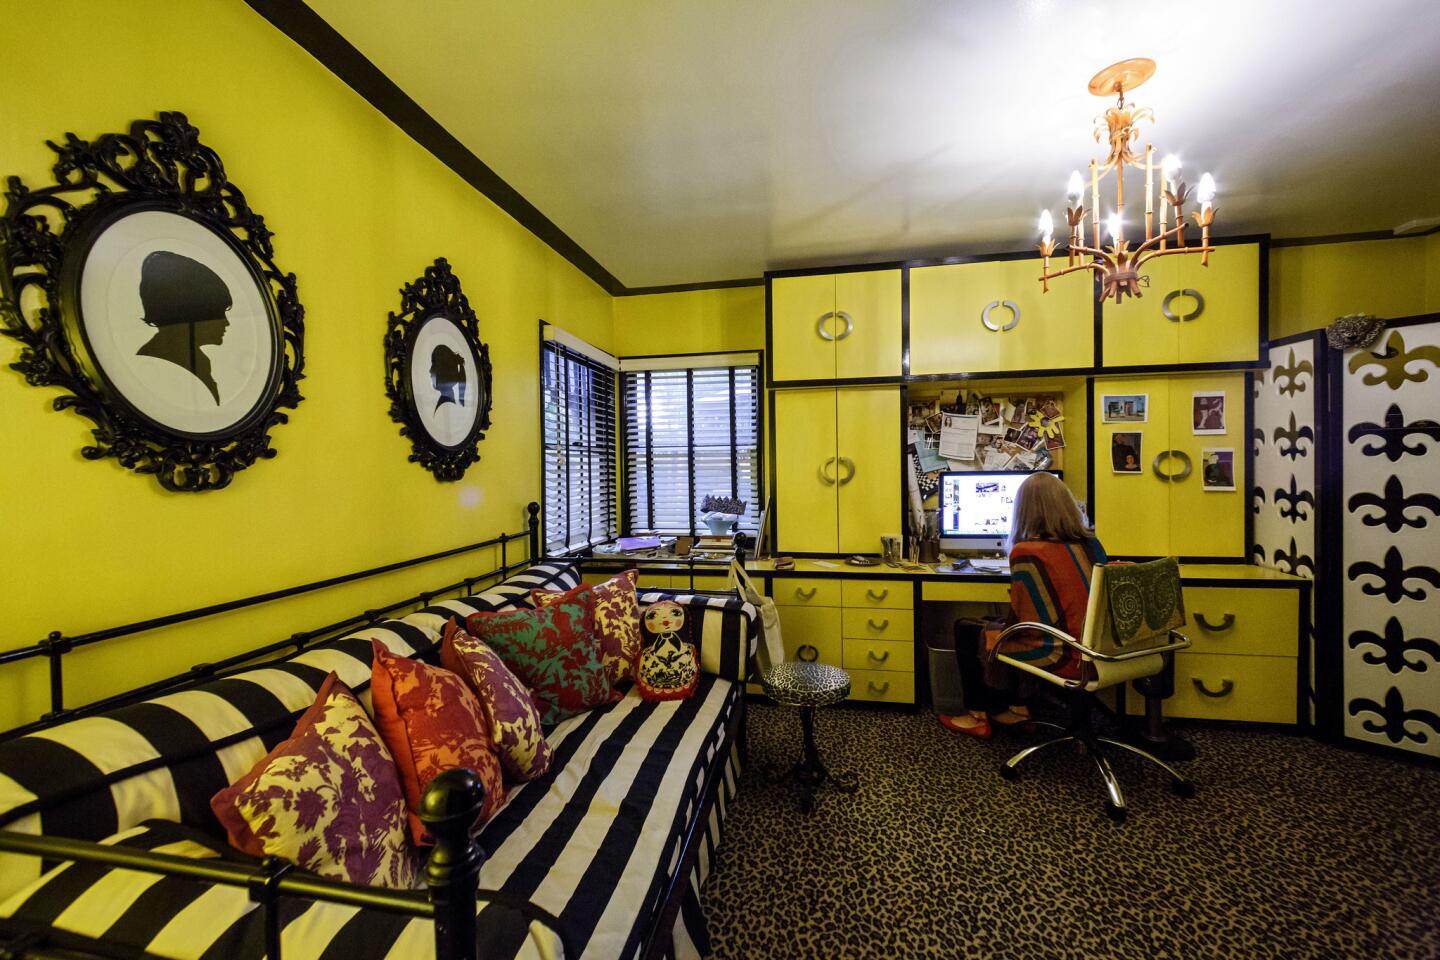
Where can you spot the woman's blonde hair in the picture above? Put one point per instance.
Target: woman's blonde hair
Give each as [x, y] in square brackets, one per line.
[1046, 510]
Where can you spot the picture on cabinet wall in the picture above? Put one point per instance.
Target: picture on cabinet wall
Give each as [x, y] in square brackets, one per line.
[1125, 408]
[1217, 472]
[1126, 450]
[1207, 412]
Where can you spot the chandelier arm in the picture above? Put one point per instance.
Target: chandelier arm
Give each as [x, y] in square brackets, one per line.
[1173, 250]
[1090, 265]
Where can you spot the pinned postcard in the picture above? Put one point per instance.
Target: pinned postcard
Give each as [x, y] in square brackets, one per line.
[958, 435]
[929, 458]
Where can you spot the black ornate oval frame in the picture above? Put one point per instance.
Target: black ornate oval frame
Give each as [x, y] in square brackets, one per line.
[158, 165]
[436, 293]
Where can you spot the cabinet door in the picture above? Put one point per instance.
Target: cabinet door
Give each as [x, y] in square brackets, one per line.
[946, 335]
[806, 471]
[1132, 510]
[1135, 332]
[801, 319]
[1228, 328]
[871, 301]
[1207, 522]
[1055, 329]
[868, 440]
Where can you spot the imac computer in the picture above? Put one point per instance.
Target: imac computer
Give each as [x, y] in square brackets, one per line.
[975, 508]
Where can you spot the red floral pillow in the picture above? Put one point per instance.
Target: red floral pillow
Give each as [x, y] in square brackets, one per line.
[553, 652]
[329, 798]
[432, 723]
[509, 709]
[616, 612]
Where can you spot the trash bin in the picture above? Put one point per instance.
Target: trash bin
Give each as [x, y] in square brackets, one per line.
[946, 694]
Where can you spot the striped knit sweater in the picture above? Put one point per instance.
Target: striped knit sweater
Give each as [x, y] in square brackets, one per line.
[1050, 584]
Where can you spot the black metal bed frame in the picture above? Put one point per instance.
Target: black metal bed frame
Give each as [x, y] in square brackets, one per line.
[449, 806]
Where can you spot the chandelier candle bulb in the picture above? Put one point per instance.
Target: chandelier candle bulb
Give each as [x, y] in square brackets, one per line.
[1047, 226]
[1205, 193]
[1075, 189]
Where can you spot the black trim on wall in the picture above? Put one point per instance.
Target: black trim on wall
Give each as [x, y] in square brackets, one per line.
[1249, 488]
[1329, 532]
[689, 287]
[323, 42]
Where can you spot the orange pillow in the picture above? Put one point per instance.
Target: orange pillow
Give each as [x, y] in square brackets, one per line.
[617, 620]
[431, 722]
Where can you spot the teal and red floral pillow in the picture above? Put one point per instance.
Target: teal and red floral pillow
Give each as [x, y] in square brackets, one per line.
[553, 651]
[432, 722]
[510, 711]
[616, 614]
[328, 799]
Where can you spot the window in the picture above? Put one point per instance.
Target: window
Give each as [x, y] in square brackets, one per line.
[579, 444]
[690, 433]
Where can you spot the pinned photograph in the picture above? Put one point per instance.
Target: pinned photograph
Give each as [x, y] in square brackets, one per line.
[1125, 452]
[1207, 411]
[1217, 471]
[1124, 408]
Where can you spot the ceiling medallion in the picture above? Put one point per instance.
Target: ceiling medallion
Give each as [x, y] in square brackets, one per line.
[1118, 264]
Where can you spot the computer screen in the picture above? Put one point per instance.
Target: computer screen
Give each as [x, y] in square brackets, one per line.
[975, 508]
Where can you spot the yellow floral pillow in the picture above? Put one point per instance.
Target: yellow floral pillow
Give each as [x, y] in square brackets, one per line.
[617, 620]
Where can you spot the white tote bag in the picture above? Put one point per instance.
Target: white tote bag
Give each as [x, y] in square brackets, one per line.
[772, 648]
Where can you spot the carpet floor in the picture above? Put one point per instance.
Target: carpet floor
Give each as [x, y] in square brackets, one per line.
[1289, 849]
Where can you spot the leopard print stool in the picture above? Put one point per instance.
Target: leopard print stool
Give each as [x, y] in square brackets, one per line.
[807, 686]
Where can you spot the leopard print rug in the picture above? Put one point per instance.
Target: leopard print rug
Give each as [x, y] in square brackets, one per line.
[1290, 849]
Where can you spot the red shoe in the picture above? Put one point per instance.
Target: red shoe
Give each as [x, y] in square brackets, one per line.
[980, 730]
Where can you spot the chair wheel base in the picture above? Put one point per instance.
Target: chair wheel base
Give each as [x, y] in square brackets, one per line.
[1008, 772]
[1116, 814]
[1182, 788]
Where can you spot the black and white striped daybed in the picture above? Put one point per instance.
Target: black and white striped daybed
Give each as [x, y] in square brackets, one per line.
[605, 853]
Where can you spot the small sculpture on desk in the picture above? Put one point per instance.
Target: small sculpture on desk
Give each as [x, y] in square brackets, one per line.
[722, 514]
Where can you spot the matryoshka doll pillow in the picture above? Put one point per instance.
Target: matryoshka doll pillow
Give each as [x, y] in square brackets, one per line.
[669, 668]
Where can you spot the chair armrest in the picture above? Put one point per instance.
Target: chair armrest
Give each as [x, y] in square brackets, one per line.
[1178, 642]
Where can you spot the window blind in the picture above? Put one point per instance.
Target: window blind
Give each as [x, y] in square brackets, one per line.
[579, 445]
[688, 434]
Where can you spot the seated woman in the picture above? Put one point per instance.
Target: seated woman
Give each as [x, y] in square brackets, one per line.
[1051, 555]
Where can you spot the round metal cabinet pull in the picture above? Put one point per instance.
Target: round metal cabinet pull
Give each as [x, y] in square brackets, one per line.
[879, 687]
[803, 595]
[878, 626]
[1226, 686]
[1180, 455]
[878, 597]
[1010, 305]
[825, 478]
[878, 658]
[848, 466]
[1170, 297]
[849, 324]
[824, 331]
[1226, 622]
[807, 653]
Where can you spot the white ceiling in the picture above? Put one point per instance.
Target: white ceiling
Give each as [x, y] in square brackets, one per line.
[680, 141]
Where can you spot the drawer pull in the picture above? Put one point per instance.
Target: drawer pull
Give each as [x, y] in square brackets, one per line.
[801, 653]
[1226, 622]
[1226, 686]
[879, 687]
[803, 595]
[878, 626]
[877, 597]
[878, 657]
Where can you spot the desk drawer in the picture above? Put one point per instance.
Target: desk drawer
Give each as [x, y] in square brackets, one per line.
[966, 591]
[880, 624]
[1255, 688]
[805, 593]
[811, 633]
[882, 686]
[877, 654]
[887, 594]
[1236, 620]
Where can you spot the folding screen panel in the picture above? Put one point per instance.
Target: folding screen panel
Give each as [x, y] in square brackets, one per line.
[1284, 495]
[1388, 449]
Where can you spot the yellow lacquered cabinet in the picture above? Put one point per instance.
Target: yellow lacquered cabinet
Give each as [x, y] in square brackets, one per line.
[959, 315]
[1145, 515]
[837, 468]
[843, 325]
[1220, 325]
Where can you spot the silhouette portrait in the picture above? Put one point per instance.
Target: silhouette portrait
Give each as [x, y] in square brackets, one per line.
[447, 375]
[185, 301]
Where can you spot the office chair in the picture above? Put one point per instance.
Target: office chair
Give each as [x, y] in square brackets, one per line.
[1129, 628]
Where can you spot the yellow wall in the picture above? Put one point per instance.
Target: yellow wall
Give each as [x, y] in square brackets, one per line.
[699, 321]
[357, 208]
[1312, 285]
